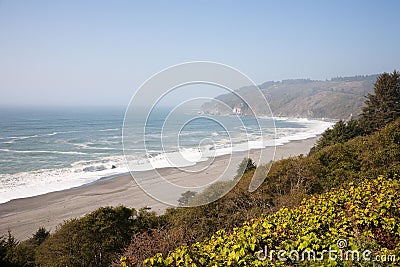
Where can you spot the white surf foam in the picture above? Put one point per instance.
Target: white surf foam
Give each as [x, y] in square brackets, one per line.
[33, 183]
[27, 184]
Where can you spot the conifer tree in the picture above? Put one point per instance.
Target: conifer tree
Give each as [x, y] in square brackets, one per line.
[383, 106]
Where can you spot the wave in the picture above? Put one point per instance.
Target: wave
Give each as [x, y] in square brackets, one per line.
[26, 184]
[33, 183]
[109, 130]
[23, 137]
[88, 147]
[312, 128]
[43, 151]
[281, 118]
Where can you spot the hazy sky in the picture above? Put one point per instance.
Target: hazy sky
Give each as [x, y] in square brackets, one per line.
[100, 52]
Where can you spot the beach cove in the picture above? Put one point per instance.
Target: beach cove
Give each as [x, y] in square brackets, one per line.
[24, 216]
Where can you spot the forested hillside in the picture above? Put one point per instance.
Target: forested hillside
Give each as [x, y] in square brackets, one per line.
[338, 98]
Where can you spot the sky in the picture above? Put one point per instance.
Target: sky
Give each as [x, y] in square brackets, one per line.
[71, 53]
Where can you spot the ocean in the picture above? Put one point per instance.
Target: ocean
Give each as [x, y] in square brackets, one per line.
[45, 150]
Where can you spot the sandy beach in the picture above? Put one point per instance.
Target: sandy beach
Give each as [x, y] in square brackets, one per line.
[24, 216]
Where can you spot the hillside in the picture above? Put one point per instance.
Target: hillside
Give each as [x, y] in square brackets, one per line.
[337, 98]
[352, 220]
[350, 212]
[363, 209]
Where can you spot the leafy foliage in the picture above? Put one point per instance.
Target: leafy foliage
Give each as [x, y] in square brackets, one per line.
[360, 158]
[15, 253]
[7, 246]
[146, 219]
[185, 226]
[92, 240]
[341, 132]
[366, 216]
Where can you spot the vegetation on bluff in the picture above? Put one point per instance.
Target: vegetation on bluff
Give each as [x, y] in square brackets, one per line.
[305, 202]
[344, 157]
[16, 254]
[288, 183]
[363, 217]
[89, 241]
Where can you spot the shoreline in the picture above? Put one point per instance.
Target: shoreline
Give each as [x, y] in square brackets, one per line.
[77, 171]
[24, 216]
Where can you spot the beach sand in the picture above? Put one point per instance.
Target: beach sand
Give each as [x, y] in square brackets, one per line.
[24, 216]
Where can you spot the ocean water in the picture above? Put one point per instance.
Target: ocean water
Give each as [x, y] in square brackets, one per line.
[45, 150]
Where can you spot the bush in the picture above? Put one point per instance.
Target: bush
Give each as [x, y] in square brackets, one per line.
[246, 165]
[365, 216]
[93, 240]
[16, 254]
[341, 132]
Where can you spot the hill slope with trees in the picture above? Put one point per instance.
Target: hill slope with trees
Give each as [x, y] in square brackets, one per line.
[337, 98]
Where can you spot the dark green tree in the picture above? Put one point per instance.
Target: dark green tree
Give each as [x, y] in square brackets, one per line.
[21, 255]
[383, 106]
[146, 219]
[341, 132]
[16, 254]
[41, 235]
[246, 165]
[7, 244]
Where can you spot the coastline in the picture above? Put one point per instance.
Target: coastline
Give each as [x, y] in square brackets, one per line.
[24, 216]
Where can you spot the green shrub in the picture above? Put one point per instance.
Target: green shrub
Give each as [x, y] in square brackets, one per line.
[93, 240]
[366, 216]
